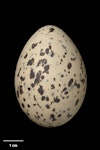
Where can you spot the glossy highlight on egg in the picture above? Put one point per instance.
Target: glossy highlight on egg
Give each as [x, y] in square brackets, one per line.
[50, 77]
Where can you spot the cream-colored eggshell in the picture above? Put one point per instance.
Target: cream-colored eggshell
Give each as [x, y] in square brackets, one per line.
[50, 77]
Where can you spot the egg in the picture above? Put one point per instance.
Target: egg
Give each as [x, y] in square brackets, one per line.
[50, 78]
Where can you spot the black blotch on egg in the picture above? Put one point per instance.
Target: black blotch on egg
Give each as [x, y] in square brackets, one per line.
[56, 99]
[43, 98]
[34, 45]
[22, 78]
[32, 74]
[23, 105]
[51, 29]
[46, 68]
[42, 62]
[40, 90]
[70, 82]
[77, 85]
[76, 102]
[26, 56]
[47, 106]
[69, 65]
[30, 62]
[52, 116]
[21, 89]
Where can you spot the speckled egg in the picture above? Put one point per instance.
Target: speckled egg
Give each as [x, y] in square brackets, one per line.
[50, 77]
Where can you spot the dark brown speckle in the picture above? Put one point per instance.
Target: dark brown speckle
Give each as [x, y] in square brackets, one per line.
[25, 56]
[21, 90]
[44, 120]
[47, 50]
[37, 79]
[40, 90]
[53, 109]
[30, 62]
[62, 76]
[64, 89]
[38, 105]
[32, 74]
[42, 77]
[77, 85]
[59, 85]
[59, 115]
[54, 79]
[40, 42]
[52, 53]
[52, 116]
[34, 45]
[69, 65]
[69, 115]
[24, 99]
[51, 29]
[64, 111]
[60, 41]
[68, 72]
[57, 100]
[63, 46]
[19, 72]
[34, 104]
[34, 97]
[46, 68]
[42, 62]
[47, 106]
[49, 46]
[42, 53]
[52, 86]
[43, 98]
[29, 88]
[70, 82]
[28, 105]
[22, 78]
[76, 102]
[47, 98]
[51, 38]
[66, 93]
[83, 80]
[23, 105]
[37, 117]
[61, 60]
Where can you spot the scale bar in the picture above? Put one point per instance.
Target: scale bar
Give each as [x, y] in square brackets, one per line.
[13, 140]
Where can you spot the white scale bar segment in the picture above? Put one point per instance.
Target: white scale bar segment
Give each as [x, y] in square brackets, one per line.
[13, 140]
